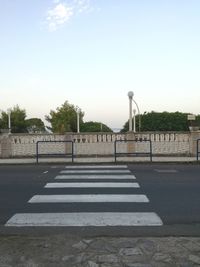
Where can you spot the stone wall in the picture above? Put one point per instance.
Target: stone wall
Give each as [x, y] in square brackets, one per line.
[170, 143]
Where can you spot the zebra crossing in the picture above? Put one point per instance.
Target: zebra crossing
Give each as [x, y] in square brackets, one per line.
[113, 204]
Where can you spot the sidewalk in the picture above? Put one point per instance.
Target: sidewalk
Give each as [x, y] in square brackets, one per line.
[66, 251]
[99, 160]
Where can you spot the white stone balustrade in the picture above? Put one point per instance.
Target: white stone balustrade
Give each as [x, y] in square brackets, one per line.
[169, 143]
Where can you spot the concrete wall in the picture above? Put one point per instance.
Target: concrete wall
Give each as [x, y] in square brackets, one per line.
[170, 143]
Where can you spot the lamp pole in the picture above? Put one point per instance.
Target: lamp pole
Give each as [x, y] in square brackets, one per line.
[9, 121]
[134, 128]
[130, 96]
[78, 119]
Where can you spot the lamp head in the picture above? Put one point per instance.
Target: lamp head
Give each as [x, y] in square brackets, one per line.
[130, 94]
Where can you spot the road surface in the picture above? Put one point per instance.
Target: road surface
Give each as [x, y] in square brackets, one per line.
[108, 199]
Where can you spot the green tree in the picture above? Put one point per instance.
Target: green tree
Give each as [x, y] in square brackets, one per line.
[18, 123]
[198, 120]
[161, 121]
[35, 125]
[64, 118]
[93, 126]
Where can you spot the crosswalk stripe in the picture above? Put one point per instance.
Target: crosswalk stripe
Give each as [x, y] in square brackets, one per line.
[88, 198]
[94, 176]
[92, 185]
[86, 219]
[96, 171]
[96, 167]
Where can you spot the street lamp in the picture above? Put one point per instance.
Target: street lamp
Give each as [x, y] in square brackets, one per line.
[134, 112]
[138, 114]
[9, 120]
[130, 95]
[78, 111]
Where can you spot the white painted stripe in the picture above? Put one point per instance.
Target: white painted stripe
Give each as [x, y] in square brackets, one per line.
[97, 167]
[166, 171]
[96, 171]
[92, 185]
[87, 198]
[85, 219]
[45, 172]
[93, 176]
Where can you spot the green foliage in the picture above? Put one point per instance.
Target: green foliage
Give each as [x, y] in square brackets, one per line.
[64, 119]
[18, 123]
[35, 125]
[93, 126]
[161, 121]
[198, 120]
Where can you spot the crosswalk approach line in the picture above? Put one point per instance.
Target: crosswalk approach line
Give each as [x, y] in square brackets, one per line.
[97, 167]
[85, 219]
[92, 185]
[88, 198]
[95, 171]
[94, 176]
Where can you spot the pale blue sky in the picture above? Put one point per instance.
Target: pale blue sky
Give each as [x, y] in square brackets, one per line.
[92, 52]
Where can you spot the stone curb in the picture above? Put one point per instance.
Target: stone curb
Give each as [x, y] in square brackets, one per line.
[100, 160]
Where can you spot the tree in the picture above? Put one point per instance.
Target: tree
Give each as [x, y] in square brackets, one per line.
[198, 120]
[64, 118]
[35, 125]
[161, 121]
[18, 123]
[93, 126]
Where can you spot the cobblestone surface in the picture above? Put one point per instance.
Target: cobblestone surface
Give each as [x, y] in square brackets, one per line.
[60, 250]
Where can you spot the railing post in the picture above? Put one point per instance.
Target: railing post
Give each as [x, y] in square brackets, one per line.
[115, 150]
[150, 150]
[72, 151]
[37, 152]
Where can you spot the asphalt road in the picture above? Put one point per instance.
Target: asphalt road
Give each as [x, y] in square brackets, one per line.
[173, 191]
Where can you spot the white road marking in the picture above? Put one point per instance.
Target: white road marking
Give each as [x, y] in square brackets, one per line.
[45, 172]
[97, 167]
[95, 171]
[166, 171]
[86, 219]
[93, 176]
[88, 198]
[92, 185]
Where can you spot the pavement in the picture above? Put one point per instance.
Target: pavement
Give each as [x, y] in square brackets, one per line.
[53, 249]
[95, 159]
[72, 251]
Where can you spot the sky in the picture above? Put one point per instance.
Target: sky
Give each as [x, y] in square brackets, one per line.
[91, 53]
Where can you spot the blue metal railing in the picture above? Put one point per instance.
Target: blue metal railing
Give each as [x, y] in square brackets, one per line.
[71, 154]
[132, 153]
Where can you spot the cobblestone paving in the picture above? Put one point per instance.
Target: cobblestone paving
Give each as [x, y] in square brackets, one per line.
[57, 250]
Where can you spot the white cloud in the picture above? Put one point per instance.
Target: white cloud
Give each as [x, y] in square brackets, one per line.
[62, 11]
[82, 5]
[58, 15]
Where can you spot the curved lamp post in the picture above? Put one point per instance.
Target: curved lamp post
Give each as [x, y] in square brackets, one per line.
[130, 95]
[134, 112]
